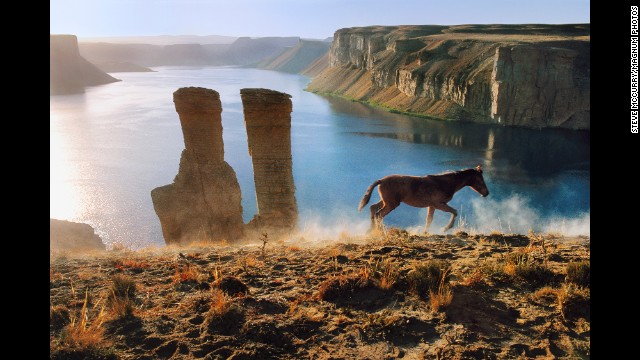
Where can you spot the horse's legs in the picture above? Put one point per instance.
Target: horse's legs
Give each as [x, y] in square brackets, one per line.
[374, 210]
[387, 207]
[449, 209]
[430, 211]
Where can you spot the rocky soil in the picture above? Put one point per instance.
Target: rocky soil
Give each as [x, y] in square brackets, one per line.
[350, 298]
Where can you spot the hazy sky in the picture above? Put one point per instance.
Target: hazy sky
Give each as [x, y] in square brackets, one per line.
[305, 18]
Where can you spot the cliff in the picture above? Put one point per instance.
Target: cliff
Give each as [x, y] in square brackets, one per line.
[297, 58]
[69, 72]
[72, 236]
[524, 75]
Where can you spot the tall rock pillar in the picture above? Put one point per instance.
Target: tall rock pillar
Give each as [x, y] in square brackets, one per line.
[204, 201]
[267, 117]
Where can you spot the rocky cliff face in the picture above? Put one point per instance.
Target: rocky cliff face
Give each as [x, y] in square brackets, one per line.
[267, 117]
[526, 75]
[72, 236]
[204, 201]
[69, 72]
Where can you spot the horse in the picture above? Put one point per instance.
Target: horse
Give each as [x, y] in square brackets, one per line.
[430, 191]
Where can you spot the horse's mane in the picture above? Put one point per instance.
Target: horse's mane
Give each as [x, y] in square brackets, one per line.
[453, 172]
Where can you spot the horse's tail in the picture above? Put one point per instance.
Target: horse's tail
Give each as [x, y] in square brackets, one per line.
[367, 195]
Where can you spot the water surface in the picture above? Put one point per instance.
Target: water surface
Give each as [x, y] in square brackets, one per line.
[113, 144]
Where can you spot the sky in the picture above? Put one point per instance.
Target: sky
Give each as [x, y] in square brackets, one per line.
[317, 19]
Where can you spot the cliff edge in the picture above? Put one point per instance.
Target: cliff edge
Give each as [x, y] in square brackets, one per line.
[525, 75]
[69, 72]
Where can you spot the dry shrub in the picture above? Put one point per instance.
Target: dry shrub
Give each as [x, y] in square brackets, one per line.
[187, 273]
[247, 263]
[546, 296]
[440, 298]
[85, 331]
[579, 273]
[522, 266]
[131, 264]
[342, 286]
[383, 272]
[223, 316]
[473, 279]
[571, 300]
[121, 295]
[428, 276]
[574, 301]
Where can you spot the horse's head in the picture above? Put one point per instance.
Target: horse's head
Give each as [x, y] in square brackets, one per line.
[477, 182]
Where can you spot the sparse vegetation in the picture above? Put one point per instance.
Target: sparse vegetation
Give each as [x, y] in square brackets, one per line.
[187, 273]
[223, 316]
[427, 276]
[122, 295]
[579, 273]
[344, 298]
[84, 333]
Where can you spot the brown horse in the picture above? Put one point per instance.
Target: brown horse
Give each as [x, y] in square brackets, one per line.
[431, 191]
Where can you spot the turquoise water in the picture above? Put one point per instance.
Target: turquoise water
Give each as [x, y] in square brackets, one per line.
[113, 144]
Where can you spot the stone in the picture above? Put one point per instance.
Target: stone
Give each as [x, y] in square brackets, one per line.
[72, 236]
[204, 201]
[267, 117]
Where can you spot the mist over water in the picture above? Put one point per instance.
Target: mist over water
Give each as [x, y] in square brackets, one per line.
[113, 144]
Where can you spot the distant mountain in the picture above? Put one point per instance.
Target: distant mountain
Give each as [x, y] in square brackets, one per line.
[297, 58]
[162, 39]
[243, 51]
[69, 72]
[112, 66]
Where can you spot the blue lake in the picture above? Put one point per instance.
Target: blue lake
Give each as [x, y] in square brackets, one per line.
[113, 144]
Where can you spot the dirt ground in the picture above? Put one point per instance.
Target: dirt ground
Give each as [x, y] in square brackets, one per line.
[501, 297]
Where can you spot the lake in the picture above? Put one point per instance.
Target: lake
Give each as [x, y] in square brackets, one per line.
[110, 146]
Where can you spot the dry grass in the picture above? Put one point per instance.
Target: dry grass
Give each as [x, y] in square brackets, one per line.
[131, 264]
[428, 276]
[574, 301]
[86, 330]
[473, 279]
[223, 316]
[122, 294]
[441, 298]
[571, 300]
[247, 263]
[220, 304]
[186, 273]
[518, 266]
[579, 273]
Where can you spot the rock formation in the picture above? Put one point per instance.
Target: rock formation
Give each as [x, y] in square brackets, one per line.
[69, 72]
[204, 201]
[525, 75]
[72, 236]
[267, 116]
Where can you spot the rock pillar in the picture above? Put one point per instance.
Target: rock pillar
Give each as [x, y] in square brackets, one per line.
[267, 117]
[204, 201]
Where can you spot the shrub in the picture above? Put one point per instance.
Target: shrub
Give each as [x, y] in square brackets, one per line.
[428, 276]
[579, 273]
[223, 316]
[122, 294]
